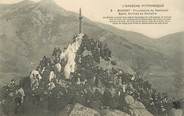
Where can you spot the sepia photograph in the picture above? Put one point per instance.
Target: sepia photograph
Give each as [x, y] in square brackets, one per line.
[91, 58]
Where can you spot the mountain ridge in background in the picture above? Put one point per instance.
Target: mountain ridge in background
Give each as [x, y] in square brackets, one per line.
[30, 30]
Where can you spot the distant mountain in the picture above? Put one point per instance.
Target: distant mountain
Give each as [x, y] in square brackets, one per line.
[172, 43]
[172, 47]
[134, 37]
[29, 30]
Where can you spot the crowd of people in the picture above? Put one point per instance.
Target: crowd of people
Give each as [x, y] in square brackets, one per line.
[90, 84]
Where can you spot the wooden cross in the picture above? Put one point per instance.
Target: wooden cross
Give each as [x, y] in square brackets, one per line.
[80, 21]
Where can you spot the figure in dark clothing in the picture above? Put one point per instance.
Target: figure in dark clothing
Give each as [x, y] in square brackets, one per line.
[19, 99]
[18, 103]
[107, 98]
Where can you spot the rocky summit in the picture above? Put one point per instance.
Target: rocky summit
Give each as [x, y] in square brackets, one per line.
[82, 79]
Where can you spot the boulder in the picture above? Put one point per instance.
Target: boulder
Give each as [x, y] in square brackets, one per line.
[140, 112]
[80, 110]
[114, 113]
[175, 112]
[136, 107]
[129, 100]
[66, 111]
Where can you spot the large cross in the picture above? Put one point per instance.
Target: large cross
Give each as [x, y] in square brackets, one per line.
[80, 21]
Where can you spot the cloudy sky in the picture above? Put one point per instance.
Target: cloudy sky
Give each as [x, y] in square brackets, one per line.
[96, 9]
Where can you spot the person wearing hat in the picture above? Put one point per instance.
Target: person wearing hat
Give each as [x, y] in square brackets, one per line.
[12, 84]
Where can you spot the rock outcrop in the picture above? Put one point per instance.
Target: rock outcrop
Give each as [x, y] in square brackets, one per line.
[175, 112]
[113, 113]
[136, 107]
[80, 110]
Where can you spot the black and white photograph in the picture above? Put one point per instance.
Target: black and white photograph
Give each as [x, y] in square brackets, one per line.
[91, 58]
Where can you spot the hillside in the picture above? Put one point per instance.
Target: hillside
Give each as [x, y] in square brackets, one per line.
[31, 30]
[172, 46]
[133, 37]
[74, 81]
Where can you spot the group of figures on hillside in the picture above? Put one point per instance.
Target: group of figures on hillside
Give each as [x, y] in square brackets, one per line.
[74, 75]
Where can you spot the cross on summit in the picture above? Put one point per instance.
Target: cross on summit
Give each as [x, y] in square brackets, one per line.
[80, 21]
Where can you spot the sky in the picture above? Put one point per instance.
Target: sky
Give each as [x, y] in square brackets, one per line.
[96, 9]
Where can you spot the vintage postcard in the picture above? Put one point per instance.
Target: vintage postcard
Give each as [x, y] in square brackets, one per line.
[91, 58]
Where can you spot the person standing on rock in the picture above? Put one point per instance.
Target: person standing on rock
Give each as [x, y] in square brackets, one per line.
[19, 99]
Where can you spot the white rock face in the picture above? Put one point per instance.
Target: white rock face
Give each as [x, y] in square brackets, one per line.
[80, 110]
[136, 107]
[70, 55]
